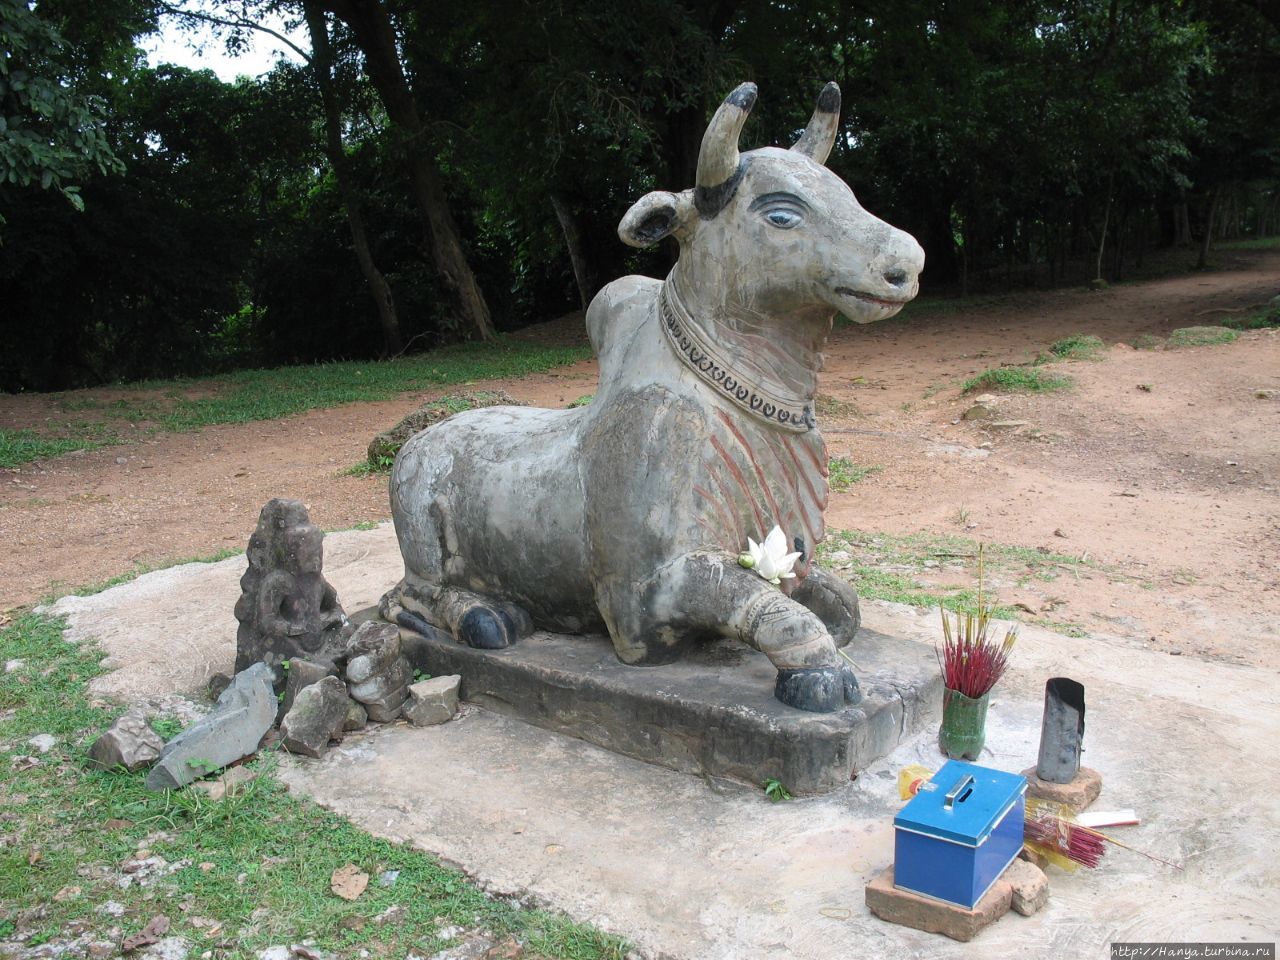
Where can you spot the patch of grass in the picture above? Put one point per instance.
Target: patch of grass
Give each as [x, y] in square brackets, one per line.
[1013, 379]
[257, 862]
[582, 401]
[249, 395]
[22, 446]
[844, 473]
[1067, 628]
[1267, 320]
[366, 469]
[825, 405]
[1200, 336]
[1257, 243]
[884, 566]
[1079, 346]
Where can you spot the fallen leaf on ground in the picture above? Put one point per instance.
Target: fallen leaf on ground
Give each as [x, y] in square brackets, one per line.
[114, 824]
[349, 882]
[149, 934]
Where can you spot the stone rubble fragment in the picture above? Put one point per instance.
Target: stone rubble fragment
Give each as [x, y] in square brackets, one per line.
[317, 717]
[377, 673]
[432, 701]
[129, 742]
[233, 729]
[1030, 886]
[301, 674]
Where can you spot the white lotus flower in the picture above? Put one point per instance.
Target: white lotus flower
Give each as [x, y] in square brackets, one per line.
[770, 559]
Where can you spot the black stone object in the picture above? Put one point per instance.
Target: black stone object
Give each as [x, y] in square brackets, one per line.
[1062, 731]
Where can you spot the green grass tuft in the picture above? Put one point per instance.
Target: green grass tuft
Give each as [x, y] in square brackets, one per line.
[1079, 346]
[1201, 336]
[1267, 320]
[1011, 379]
[22, 446]
[883, 566]
[844, 473]
[257, 862]
[582, 401]
[1258, 243]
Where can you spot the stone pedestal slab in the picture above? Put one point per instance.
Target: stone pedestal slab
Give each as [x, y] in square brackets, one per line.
[712, 714]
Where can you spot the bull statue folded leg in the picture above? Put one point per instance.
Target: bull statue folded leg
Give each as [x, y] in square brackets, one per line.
[630, 514]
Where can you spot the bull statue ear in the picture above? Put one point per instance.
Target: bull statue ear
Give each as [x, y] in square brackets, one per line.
[820, 135]
[654, 216]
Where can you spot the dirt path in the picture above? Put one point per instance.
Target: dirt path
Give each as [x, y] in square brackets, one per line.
[1169, 491]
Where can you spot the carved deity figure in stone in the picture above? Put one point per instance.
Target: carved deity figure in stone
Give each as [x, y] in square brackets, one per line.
[632, 515]
[286, 607]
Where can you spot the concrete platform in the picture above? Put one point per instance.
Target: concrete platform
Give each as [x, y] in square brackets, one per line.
[714, 715]
[697, 869]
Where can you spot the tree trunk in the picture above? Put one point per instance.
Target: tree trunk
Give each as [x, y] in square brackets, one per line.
[371, 25]
[582, 272]
[1102, 236]
[322, 66]
[1203, 260]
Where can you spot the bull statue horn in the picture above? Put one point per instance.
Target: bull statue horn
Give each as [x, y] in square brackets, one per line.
[718, 158]
[820, 134]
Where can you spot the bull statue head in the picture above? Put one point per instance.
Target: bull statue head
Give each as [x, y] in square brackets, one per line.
[773, 232]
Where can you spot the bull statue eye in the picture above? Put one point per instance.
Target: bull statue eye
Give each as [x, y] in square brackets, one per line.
[782, 210]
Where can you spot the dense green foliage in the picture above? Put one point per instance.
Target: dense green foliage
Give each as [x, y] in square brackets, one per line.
[247, 223]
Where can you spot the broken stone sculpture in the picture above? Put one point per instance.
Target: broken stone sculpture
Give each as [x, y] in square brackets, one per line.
[233, 729]
[629, 514]
[129, 742]
[286, 608]
[378, 675]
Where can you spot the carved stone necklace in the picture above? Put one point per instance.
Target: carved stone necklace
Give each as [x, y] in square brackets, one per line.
[712, 365]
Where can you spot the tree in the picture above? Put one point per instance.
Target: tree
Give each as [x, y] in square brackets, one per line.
[371, 27]
[51, 134]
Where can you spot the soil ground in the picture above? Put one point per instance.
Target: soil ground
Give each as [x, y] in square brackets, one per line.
[1159, 468]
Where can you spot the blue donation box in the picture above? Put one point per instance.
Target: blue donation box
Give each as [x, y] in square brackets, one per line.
[956, 836]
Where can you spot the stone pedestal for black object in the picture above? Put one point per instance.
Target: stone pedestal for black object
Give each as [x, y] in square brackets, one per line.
[377, 674]
[233, 729]
[286, 608]
[711, 714]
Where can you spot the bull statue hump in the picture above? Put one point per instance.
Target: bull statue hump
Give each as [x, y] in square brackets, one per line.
[631, 514]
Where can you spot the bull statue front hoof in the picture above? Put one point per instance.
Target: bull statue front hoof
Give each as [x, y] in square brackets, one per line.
[629, 515]
[818, 689]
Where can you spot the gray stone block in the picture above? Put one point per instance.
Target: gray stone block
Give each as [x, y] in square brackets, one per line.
[244, 712]
[712, 714]
[300, 675]
[372, 650]
[432, 701]
[356, 718]
[129, 742]
[318, 714]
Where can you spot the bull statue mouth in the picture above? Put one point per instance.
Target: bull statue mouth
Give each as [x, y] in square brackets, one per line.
[893, 303]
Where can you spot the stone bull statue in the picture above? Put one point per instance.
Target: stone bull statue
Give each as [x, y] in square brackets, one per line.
[630, 514]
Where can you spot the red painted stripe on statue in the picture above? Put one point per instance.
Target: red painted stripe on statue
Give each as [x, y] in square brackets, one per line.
[736, 472]
[755, 464]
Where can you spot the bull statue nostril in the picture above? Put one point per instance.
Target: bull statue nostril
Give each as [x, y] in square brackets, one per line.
[896, 278]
